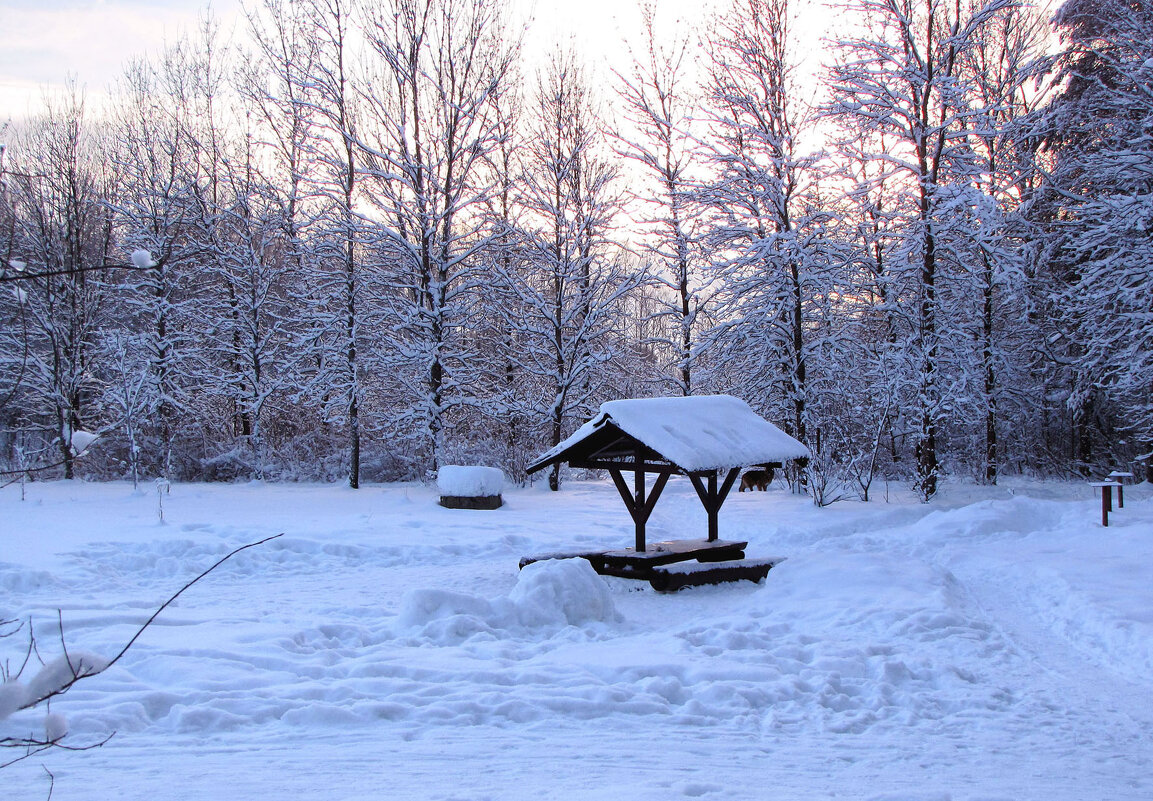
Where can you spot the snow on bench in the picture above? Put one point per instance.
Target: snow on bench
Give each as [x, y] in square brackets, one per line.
[669, 578]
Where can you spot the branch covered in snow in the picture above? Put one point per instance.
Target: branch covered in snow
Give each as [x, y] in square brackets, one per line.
[59, 675]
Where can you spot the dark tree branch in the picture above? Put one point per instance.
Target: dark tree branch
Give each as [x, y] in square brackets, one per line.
[34, 745]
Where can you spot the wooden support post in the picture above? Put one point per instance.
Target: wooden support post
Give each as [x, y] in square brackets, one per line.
[639, 501]
[714, 511]
[1119, 476]
[713, 497]
[639, 507]
[1106, 498]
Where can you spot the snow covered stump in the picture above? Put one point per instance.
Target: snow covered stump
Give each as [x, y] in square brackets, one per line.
[470, 487]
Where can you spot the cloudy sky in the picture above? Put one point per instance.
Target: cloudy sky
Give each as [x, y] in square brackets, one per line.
[43, 42]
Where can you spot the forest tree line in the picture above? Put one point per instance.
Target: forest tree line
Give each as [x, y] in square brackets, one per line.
[368, 240]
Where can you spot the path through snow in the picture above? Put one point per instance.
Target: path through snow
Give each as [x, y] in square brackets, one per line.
[987, 646]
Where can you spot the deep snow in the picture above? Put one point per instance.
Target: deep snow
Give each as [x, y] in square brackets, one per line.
[995, 644]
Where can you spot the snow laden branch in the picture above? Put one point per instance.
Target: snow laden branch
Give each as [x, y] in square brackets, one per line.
[59, 675]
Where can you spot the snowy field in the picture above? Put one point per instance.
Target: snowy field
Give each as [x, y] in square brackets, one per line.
[995, 644]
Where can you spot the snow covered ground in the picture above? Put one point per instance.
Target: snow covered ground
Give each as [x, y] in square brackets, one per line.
[995, 644]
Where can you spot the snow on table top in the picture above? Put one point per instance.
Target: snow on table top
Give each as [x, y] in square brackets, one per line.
[461, 481]
[702, 432]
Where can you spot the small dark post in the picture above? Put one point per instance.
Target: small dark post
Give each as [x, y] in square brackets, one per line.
[1119, 476]
[1106, 498]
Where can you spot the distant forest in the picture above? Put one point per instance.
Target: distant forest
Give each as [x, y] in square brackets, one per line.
[368, 240]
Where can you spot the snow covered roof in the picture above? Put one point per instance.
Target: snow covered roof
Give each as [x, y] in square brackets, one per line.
[704, 432]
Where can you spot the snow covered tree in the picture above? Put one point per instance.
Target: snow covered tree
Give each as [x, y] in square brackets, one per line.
[660, 105]
[570, 284]
[503, 385]
[334, 333]
[998, 69]
[254, 372]
[155, 213]
[59, 182]
[431, 122]
[766, 219]
[1097, 212]
[275, 85]
[900, 91]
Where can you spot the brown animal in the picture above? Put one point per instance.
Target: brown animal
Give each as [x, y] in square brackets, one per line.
[760, 479]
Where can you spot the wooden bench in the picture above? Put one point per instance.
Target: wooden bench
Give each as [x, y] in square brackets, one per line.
[668, 566]
[673, 577]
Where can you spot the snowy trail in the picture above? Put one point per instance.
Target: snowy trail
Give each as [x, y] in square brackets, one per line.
[973, 649]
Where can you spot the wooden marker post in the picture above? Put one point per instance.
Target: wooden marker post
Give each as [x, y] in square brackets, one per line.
[1106, 499]
[1120, 477]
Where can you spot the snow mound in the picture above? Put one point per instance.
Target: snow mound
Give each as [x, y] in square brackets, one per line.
[562, 591]
[421, 606]
[469, 482]
[550, 594]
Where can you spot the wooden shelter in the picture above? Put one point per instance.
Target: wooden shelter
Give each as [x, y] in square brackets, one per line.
[708, 438]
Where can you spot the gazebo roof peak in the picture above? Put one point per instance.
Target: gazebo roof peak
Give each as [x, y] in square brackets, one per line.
[688, 435]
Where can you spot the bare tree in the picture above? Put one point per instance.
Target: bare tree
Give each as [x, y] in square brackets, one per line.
[443, 67]
[569, 287]
[660, 105]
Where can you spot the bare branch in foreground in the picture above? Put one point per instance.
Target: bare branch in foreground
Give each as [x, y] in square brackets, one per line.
[77, 667]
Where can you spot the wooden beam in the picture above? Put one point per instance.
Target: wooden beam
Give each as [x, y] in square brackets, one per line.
[730, 479]
[623, 489]
[713, 497]
[639, 518]
[658, 487]
[602, 464]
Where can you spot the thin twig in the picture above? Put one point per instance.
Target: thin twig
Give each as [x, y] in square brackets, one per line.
[180, 592]
[147, 623]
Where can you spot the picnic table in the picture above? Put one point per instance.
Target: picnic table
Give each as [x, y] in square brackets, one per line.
[673, 564]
